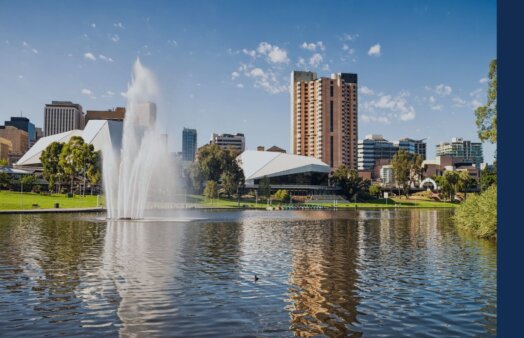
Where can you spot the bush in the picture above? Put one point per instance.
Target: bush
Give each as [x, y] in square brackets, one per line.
[478, 213]
[374, 191]
[282, 195]
[36, 189]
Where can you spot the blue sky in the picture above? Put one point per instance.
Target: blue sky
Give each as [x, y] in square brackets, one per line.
[224, 66]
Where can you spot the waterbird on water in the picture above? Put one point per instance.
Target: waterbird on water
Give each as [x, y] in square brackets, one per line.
[256, 278]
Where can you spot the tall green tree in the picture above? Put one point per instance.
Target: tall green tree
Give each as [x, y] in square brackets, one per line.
[407, 169]
[211, 189]
[52, 171]
[27, 182]
[488, 178]
[73, 158]
[350, 183]
[264, 187]
[94, 169]
[486, 115]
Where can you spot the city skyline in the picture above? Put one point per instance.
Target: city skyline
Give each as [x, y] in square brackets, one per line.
[222, 67]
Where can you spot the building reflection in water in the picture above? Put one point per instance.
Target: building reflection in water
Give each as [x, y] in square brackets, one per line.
[322, 293]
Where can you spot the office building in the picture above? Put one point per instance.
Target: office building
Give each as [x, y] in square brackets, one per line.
[417, 147]
[62, 116]
[324, 117]
[229, 141]
[116, 114]
[19, 139]
[189, 144]
[24, 124]
[374, 148]
[458, 147]
[6, 147]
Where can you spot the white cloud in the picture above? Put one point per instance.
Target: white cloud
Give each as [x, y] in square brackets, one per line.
[443, 90]
[110, 93]
[172, 43]
[274, 54]
[34, 51]
[312, 46]
[87, 92]
[315, 60]
[20, 77]
[239, 85]
[105, 58]
[377, 119]
[366, 91]
[391, 107]
[93, 25]
[477, 92]
[266, 80]
[483, 80]
[301, 62]
[349, 50]
[251, 53]
[119, 25]
[234, 75]
[349, 37]
[374, 50]
[25, 44]
[458, 102]
[90, 56]
[325, 67]
[115, 38]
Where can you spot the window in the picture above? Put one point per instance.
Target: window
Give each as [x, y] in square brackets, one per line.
[331, 116]
[331, 91]
[331, 150]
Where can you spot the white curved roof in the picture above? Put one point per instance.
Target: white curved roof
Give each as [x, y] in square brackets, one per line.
[99, 133]
[257, 164]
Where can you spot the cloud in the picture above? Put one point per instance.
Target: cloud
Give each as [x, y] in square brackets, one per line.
[25, 44]
[234, 75]
[443, 90]
[477, 92]
[87, 92]
[349, 50]
[93, 25]
[274, 54]
[366, 91]
[483, 80]
[378, 119]
[105, 58]
[458, 102]
[266, 80]
[20, 77]
[110, 93]
[350, 37]
[172, 43]
[239, 85]
[90, 56]
[325, 67]
[391, 107]
[115, 38]
[374, 50]
[119, 25]
[315, 60]
[34, 50]
[252, 53]
[312, 46]
[301, 62]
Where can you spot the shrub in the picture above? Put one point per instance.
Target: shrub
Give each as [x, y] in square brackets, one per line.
[478, 213]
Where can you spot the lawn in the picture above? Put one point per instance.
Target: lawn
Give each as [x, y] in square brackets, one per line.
[11, 200]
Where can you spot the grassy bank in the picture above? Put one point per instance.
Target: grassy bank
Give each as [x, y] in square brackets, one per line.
[10, 200]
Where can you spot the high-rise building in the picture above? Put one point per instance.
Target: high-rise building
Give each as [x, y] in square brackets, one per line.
[189, 144]
[6, 147]
[18, 138]
[116, 114]
[417, 147]
[372, 149]
[324, 117]
[229, 141]
[458, 147]
[62, 116]
[23, 123]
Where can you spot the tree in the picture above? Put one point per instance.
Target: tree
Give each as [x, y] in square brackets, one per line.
[448, 184]
[374, 191]
[282, 195]
[94, 169]
[407, 169]
[4, 162]
[488, 178]
[5, 180]
[349, 182]
[264, 187]
[52, 171]
[486, 116]
[73, 159]
[211, 189]
[27, 182]
[465, 182]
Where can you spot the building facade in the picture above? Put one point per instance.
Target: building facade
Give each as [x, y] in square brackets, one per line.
[24, 124]
[417, 147]
[6, 147]
[324, 121]
[229, 141]
[189, 144]
[18, 138]
[62, 116]
[374, 148]
[458, 147]
[116, 114]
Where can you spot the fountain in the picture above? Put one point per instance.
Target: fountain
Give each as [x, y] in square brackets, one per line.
[140, 174]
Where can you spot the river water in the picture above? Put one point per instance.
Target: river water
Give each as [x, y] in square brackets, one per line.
[357, 273]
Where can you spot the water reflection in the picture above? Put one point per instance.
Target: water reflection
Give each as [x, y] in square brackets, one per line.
[358, 273]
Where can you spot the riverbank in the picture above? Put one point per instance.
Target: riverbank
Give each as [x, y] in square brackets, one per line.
[13, 201]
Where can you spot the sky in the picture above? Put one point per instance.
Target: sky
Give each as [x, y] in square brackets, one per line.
[224, 66]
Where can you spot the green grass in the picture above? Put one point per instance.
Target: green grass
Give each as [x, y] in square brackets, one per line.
[380, 203]
[10, 200]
